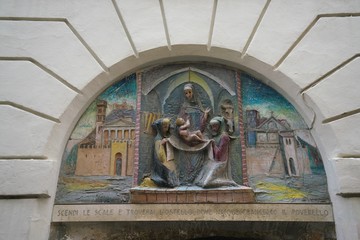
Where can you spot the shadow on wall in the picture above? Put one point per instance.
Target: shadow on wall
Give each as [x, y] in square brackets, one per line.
[225, 238]
[193, 230]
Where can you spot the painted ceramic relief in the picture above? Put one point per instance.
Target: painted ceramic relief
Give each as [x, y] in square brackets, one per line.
[98, 161]
[199, 125]
[283, 162]
[193, 115]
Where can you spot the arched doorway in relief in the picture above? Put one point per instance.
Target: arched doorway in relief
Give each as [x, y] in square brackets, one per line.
[118, 163]
[292, 166]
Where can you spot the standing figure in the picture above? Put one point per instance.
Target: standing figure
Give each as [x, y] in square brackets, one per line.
[163, 168]
[227, 111]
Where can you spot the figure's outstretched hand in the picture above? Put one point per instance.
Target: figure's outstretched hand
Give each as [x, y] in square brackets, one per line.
[206, 112]
[163, 141]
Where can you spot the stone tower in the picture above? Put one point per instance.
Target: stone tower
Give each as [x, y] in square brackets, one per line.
[100, 119]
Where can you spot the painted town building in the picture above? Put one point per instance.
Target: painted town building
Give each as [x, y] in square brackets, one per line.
[292, 151]
[109, 148]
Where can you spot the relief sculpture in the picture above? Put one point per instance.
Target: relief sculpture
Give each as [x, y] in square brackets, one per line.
[201, 147]
[204, 131]
[192, 141]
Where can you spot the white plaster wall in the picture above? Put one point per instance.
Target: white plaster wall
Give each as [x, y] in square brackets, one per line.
[57, 56]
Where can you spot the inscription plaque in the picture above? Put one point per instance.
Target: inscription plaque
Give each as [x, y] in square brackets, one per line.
[193, 212]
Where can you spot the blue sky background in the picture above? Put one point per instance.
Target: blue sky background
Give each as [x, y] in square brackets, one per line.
[264, 99]
[124, 90]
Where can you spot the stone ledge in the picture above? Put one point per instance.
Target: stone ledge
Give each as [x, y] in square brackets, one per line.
[25, 196]
[193, 212]
[192, 195]
[348, 178]
[24, 179]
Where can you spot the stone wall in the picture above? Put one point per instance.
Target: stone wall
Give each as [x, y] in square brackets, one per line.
[93, 161]
[56, 56]
[194, 230]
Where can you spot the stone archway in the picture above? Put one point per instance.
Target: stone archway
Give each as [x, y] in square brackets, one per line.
[93, 88]
[109, 211]
[64, 54]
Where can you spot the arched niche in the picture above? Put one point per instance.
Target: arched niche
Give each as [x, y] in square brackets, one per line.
[258, 157]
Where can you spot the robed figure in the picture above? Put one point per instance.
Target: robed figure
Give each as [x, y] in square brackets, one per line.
[163, 167]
